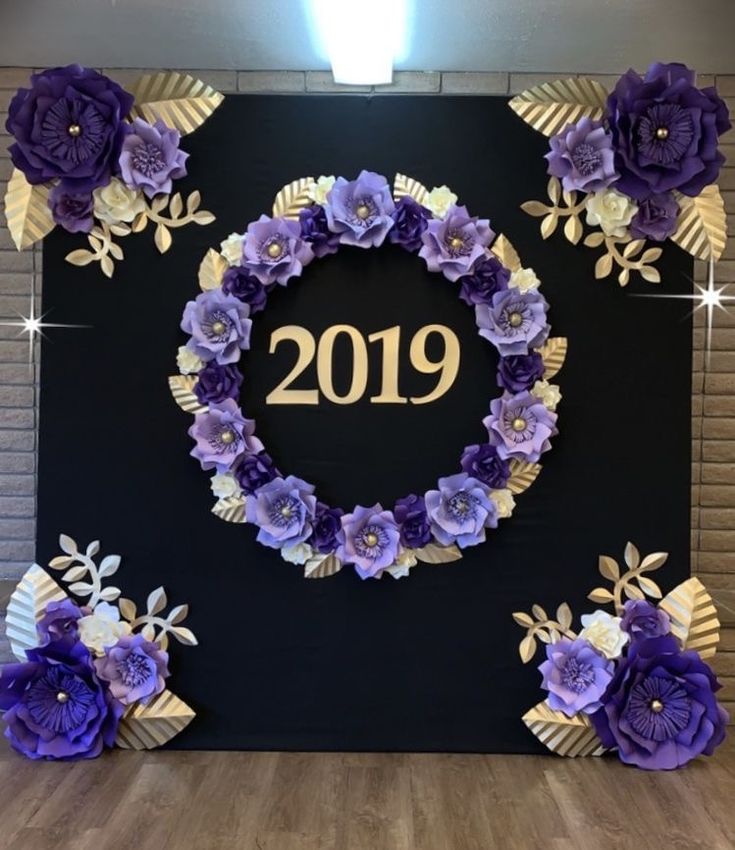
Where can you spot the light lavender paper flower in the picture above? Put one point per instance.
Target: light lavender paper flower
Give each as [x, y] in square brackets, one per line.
[274, 251]
[576, 676]
[515, 321]
[222, 434]
[520, 426]
[453, 245]
[361, 210]
[369, 539]
[134, 668]
[150, 158]
[582, 157]
[219, 325]
[460, 510]
[283, 509]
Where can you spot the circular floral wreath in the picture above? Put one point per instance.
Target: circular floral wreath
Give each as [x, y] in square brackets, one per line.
[314, 218]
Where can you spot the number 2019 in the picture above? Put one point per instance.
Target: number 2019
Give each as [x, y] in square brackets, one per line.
[447, 366]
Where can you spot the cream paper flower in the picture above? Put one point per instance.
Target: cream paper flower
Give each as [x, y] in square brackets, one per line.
[603, 631]
[318, 191]
[504, 501]
[550, 394]
[188, 361]
[102, 628]
[115, 202]
[231, 248]
[224, 485]
[440, 200]
[611, 210]
[297, 554]
[523, 280]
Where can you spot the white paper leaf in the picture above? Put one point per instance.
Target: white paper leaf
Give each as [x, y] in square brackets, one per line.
[184, 635]
[109, 594]
[157, 601]
[67, 544]
[109, 566]
[26, 607]
[93, 548]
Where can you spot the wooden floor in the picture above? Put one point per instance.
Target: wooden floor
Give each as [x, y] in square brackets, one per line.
[294, 801]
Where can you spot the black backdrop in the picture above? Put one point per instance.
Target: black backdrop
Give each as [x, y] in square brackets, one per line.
[425, 663]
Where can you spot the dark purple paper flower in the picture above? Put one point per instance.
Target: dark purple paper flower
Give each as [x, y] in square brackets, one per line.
[411, 220]
[68, 125]
[135, 669]
[514, 321]
[150, 158]
[360, 210]
[411, 516]
[72, 209]
[254, 470]
[217, 383]
[660, 709]
[274, 251]
[665, 132]
[486, 277]
[483, 463]
[453, 245]
[656, 218]
[327, 523]
[283, 509]
[55, 706]
[369, 539]
[246, 287]
[642, 620]
[520, 426]
[59, 622]
[519, 372]
[219, 325]
[460, 510]
[582, 157]
[315, 231]
[576, 676]
[222, 434]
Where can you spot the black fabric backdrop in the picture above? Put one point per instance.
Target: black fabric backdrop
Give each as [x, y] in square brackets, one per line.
[425, 663]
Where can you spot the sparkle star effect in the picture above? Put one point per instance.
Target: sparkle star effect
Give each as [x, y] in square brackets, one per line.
[34, 326]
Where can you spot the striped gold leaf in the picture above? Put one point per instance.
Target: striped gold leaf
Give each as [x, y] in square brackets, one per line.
[406, 186]
[693, 616]
[565, 736]
[551, 106]
[506, 253]
[145, 727]
[179, 100]
[522, 475]
[212, 270]
[230, 509]
[702, 224]
[322, 566]
[27, 211]
[554, 352]
[293, 198]
[182, 389]
[26, 606]
[435, 554]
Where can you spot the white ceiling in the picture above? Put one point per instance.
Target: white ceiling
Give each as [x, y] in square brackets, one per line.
[488, 35]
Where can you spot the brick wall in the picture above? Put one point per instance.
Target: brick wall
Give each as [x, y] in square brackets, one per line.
[713, 403]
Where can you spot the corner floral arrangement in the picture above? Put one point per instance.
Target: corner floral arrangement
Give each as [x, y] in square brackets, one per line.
[314, 218]
[89, 676]
[640, 163]
[636, 680]
[95, 159]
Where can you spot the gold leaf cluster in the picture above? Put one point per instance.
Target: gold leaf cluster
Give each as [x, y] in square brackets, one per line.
[540, 627]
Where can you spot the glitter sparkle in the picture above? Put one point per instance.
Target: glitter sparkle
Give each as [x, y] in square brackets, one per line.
[34, 326]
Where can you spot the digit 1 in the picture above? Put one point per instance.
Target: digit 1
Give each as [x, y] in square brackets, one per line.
[391, 338]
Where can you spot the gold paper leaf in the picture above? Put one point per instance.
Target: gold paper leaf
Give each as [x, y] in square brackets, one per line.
[435, 554]
[162, 238]
[522, 619]
[26, 606]
[293, 198]
[230, 509]
[548, 225]
[182, 389]
[506, 253]
[27, 211]
[609, 568]
[565, 736]
[211, 270]
[554, 352]
[573, 229]
[406, 186]
[522, 475]
[527, 648]
[601, 595]
[322, 566]
[145, 727]
[693, 616]
[603, 266]
[177, 99]
[551, 106]
[702, 224]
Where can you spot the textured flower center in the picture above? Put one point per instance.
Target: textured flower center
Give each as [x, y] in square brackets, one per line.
[148, 159]
[371, 541]
[586, 158]
[665, 133]
[273, 248]
[519, 425]
[134, 670]
[363, 210]
[658, 709]
[458, 244]
[515, 319]
[577, 676]
[285, 511]
[223, 438]
[88, 126]
[51, 712]
[218, 326]
[462, 506]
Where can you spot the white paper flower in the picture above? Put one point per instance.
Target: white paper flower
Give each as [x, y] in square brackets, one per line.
[297, 554]
[318, 191]
[188, 361]
[102, 628]
[231, 248]
[550, 394]
[440, 200]
[603, 631]
[611, 210]
[224, 485]
[405, 560]
[523, 280]
[504, 501]
[115, 202]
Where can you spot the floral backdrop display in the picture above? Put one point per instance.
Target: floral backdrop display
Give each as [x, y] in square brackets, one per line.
[639, 162]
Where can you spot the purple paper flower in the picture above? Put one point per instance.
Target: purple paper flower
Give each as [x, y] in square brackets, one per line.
[453, 245]
[254, 470]
[222, 434]
[150, 158]
[642, 620]
[55, 706]
[520, 426]
[274, 250]
[246, 287]
[656, 218]
[72, 209]
[660, 709]
[582, 157]
[519, 372]
[515, 321]
[217, 383]
[59, 622]
[360, 210]
[316, 233]
[283, 510]
[483, 463]
[135, 669]
[68, 125]
[327, 523]
[219, 326]
[460, 510]
[576, 676]
[486, 277]
[411, 516]
[665, 132]
[369, 539]
[411, 220]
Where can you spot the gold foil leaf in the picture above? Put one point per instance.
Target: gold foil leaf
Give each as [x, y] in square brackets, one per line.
[522, 475]
[702, 224]
[27, 211]
[554, 352]
[551, 106]
[408, 187]
[435, 554]
[506, 253]
[26, 606]
[693, 616]
[212, 270]
[162, 238]
[145, 727]
[293, 198]
[182, 389]
[322, 566]
[179, 100]
[565, 736]
[230, 509]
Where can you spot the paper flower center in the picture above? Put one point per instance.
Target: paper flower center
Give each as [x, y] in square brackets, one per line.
[586, 158]
[665, 132]
[285, 511]
[363, 210]
[658, 709]
[218, 326]
[148, 159]
[458, 244]
[273, 248]
[134, 670]
[515, 318]
[59, 715]
[371, 541]
[577, 676]
[88, 125]
[462, 506]
[223, 438]
[519, 425]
